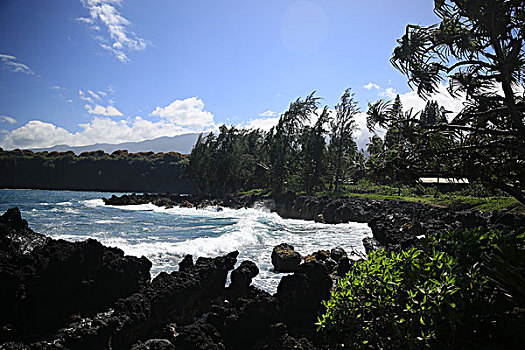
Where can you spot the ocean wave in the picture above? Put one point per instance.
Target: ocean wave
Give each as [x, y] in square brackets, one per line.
[107, 221]
[93, 203]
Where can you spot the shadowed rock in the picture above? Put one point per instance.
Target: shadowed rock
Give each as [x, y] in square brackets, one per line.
[300, 296]
[241, 278]
[47, 283]
[285, 258]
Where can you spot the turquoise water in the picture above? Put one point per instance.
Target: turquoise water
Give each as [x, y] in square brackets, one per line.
[165, 235]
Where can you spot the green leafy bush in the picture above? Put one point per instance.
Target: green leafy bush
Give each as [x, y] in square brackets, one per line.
[458, 289]
[395, 300]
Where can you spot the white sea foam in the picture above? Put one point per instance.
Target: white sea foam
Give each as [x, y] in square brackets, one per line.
[108, 221]
[65, 203]
[93, 203]
[165, 235]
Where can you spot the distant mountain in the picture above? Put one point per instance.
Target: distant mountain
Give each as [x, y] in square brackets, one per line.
[181, 143]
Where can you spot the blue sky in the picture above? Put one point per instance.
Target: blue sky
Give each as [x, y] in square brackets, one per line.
[84, 71]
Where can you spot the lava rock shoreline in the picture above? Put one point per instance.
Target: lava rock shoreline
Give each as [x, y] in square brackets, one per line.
[82, 295]
[395, 225]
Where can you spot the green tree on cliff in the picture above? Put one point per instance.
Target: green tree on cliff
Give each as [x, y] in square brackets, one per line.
[314, 153]
[342, 146]
[283, 142]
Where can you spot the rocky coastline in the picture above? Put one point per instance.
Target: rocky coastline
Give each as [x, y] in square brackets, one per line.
[395, 224]
[83, 295]
[62, 295]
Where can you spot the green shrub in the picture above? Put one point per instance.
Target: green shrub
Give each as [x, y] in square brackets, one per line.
[397, 300]
[457, 289]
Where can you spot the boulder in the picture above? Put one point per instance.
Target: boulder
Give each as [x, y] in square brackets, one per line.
[337, 254]
[285, 258]
[320, 255]
[186, 263]
[371, 244]
[241, 278]
[343, 266]
[300, 296]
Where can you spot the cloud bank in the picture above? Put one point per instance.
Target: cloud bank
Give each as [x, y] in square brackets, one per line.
[179, 117]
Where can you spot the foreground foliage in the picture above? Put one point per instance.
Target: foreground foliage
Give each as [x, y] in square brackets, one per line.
[451, 292]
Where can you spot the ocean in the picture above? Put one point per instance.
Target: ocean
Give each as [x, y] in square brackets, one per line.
[165, 236]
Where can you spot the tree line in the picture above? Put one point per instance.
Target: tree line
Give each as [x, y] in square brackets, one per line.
[94, 171]
[312, 149]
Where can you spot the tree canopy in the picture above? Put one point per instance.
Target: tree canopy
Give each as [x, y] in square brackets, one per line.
[478, 47]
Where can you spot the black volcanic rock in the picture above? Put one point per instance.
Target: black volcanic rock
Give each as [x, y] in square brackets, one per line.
[16, 238]
[154, 344]
[46, 283]
[285, 258]
[186, 263]
[300, 296]
[241, 278]
[175, 298]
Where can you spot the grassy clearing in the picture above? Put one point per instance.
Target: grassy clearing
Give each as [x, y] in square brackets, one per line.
[471, 197]
[456, 202]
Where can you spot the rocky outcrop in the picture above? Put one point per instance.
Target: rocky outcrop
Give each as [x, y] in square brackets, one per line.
[300, 296]
[169, 200]
[370, 244]
[395, 224]
[170, 299]
[16, 238]
[47, 283]
[285, 258]
[241, 279]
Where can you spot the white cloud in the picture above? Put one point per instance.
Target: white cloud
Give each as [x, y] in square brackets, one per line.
[362, 134]
[6, 119]
[37, 134]
[371, 86]
[388, 93]
[442, 97]
[180, 117]
[411, 100]
[34, 134]
[269, 114]
[108, 111]
[264, 124]
[94, 95]
[188, 112]
[8, 62]
[103, 13]
[83, 97]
